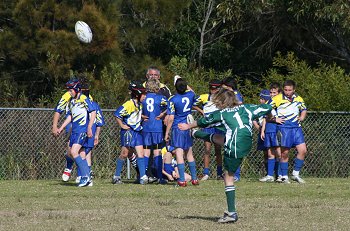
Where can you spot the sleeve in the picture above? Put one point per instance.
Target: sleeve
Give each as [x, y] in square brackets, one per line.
[302, 105]
[122, 111]
[164, 103]
[164, 90]
[212, 118]
[239, 97]
[198, 100]
[89, 105]
[259, 110]
[62, 104]
[171, 107]
[100, 121]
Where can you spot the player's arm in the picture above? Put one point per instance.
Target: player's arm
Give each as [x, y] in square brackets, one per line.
[97, 134]
[121, 124]
[256, 125]
[262, 131]
[65, 123]
[302, 115]
[55, 119]
[198, 109]
[168, 127]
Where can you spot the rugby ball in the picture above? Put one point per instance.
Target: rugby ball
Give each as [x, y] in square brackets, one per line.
[83, 32]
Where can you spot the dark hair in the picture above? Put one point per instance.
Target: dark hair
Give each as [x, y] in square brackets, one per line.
[289, 82]
[215, 84]
[275, 85]
[181, 86]
[230, 82]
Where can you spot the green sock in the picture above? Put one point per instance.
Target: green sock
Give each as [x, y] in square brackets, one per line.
[230, 197]
[202, 135]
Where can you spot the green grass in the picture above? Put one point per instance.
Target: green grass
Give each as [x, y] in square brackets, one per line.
[321, 204]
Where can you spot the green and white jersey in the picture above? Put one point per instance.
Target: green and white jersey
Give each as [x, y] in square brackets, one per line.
[237, 123]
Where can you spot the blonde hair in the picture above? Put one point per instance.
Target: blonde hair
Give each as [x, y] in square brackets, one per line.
[153, 85]
[225, 98]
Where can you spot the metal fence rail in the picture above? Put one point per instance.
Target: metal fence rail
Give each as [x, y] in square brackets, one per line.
[29, 151]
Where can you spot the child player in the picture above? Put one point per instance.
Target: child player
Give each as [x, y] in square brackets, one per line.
[209, 107]
[128, 117]
[179, 107]
[153, 110]
[82, 114]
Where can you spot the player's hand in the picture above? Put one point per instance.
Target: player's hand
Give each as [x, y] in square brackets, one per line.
[166, 137]
[145, 118]
[125, 127]
[183, 126]
[59, 130]
[171, 178]
[160, 116]
[96, 141]
[89, 132]
[55, 131]
[279, 120]
[166, 119]
[262, 136]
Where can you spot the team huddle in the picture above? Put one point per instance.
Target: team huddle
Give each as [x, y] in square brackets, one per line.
[156, 124]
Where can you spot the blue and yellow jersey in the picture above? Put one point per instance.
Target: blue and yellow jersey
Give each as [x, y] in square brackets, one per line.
[289, 109]
[180, 106]
[79, 109]
[130, 114]
[239, 96]
[205, 100]
[63, 103]
[153, 106]
[99, 121]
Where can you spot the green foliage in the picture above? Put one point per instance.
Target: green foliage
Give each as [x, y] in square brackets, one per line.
[323, 88]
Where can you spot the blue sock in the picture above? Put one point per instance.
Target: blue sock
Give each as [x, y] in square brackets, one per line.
[119, 167]
[270, 166]
[141, 166]
[89, 168]
[277, 167]
[158, 166]
[219, 170]
[205, 171]
[238, 173]
[284, 168]
[78, 171]
[146, 160]
[69, 162]
[192, 166]
[82, 165]
[181, 168]
[298, 164]
[167, 168]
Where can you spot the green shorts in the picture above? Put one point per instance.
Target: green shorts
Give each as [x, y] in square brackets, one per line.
[231, 164]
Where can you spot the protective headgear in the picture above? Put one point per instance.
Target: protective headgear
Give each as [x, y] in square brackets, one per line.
[136, 88]
[74, 84]
[215, 84]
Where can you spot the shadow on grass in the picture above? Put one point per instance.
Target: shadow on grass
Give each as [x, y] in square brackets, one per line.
[213, 219]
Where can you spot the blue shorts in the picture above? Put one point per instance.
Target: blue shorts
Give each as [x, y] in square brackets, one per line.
[291, 137]
[130, 138]
[77, 138]
[260, 144]
[152, 138]
[181, 139]
[271, 140]
[89, 143]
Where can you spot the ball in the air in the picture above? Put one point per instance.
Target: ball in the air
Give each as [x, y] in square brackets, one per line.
[83, 32]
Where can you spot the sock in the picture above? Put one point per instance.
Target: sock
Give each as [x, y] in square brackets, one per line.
[298, 164]
[284, 168]
[192, 166]
[277, 167]
[167, 168]
[82, 165]
[158, 166]
[238, 173]
[89, 168]
[69, 162]
[141, 166]
[206, 171]
[230, 192]
[119, 167]
[181, 168]
[78, 171]
[270, 166]
[146, 160]
[133, 160]
[219, 170]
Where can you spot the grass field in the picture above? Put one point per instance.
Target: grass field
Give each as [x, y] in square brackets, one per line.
[321, 204]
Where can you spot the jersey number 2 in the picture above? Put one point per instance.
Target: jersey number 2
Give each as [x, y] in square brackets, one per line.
[187, 102]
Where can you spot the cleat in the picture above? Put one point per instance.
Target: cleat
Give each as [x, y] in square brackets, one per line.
[162, 181]
[90, 183]
[77, 180]
[66, 174]
[220, 177]
[92, 174]
[267, 179]
[298, 179]
[116, 180]
[236, 179]
[227, 218]
[285, 181]
[279, 179]
[144, 180]
[195, 182]
[205, 177]
[84, 181]
[152, 179]
[182, 183]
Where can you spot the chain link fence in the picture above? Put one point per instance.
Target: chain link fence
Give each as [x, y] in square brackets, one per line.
[29, 151]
